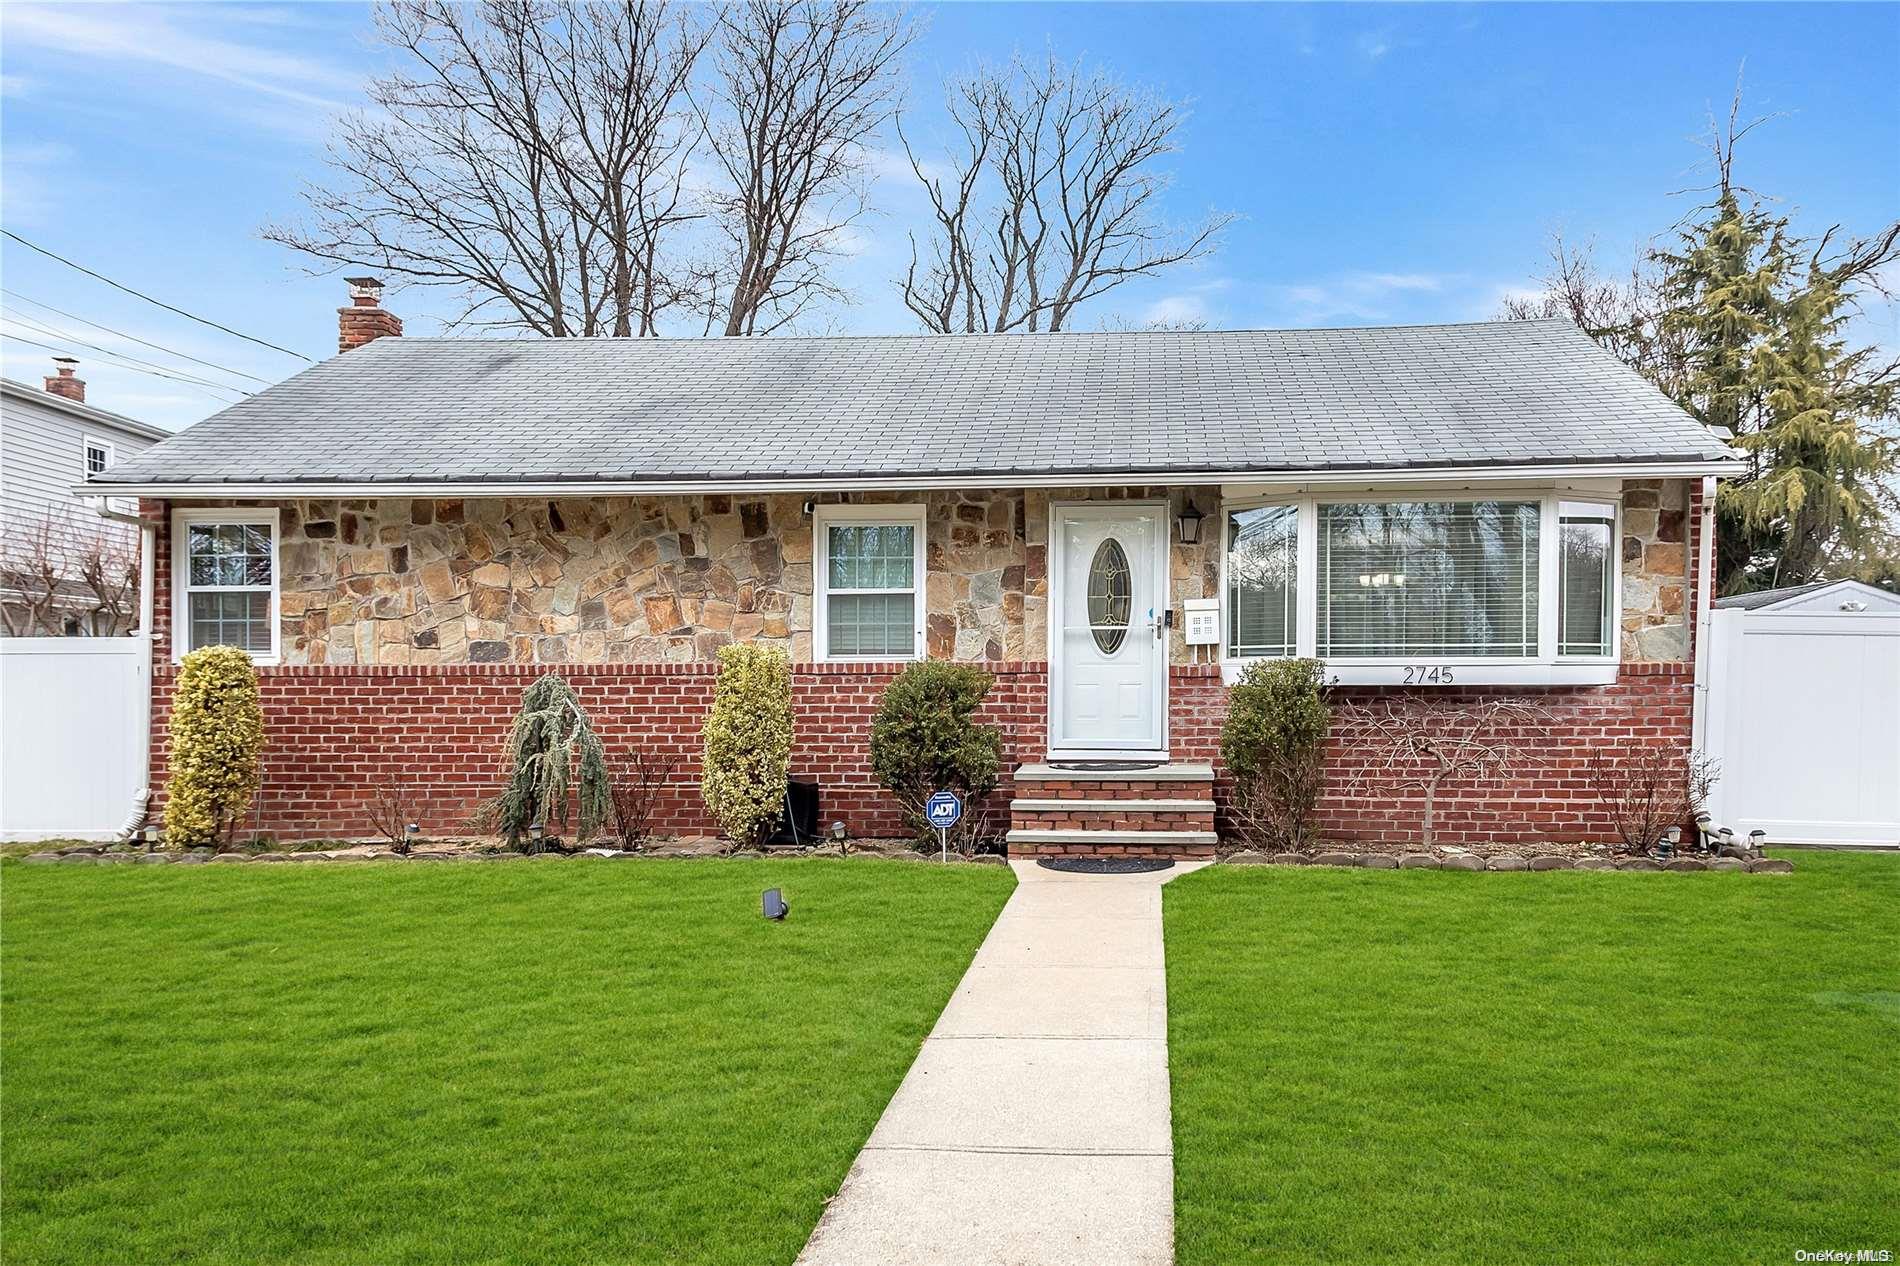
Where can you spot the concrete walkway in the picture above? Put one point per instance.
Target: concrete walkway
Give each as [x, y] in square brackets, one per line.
[1034, 1126]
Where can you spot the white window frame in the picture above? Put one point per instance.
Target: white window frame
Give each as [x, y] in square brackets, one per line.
[1546, 668]
[182, 589]
[823, 519]
[89, 442]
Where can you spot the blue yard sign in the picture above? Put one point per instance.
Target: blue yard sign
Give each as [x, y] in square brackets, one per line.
[943, 810]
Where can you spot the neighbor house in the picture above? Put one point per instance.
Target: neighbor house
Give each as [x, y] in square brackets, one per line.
[1114, 524]
[51, 440]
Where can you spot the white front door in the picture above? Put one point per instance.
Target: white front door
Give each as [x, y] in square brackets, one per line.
[1108, 639]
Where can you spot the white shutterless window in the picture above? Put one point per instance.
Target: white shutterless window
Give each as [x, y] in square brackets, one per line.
[1262, 581]
[224, 581]
[868, 565]
[1428, 578]
[1586, 594]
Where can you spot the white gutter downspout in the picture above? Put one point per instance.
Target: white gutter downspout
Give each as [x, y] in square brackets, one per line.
[1704, 580]
[148, 638]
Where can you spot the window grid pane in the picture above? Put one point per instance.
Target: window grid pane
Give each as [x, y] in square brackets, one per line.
[1428, 578]
[881, 624]
[872, 556]
[1584, 609]
[231, 619]
[1261, 571]
[229, 554]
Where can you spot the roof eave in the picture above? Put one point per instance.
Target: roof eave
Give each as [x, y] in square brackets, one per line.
[1660, 468]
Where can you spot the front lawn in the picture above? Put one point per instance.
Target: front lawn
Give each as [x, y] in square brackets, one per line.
[1420, 1066]
[525, 1062]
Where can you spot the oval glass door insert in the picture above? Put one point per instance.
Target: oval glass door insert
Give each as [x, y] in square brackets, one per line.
[1110, 594]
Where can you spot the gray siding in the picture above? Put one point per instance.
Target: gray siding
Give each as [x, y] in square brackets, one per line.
[42, 456]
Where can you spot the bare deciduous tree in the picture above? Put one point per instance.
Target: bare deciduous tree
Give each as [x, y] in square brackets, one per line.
[1421, 742]
[533, 156]
[1646, 787]
[53, 571]
[639, 777]
[1051, 200]
[802, 87]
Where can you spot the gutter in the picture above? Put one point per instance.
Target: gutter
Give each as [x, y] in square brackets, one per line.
[1334, 477]
[1704, 616]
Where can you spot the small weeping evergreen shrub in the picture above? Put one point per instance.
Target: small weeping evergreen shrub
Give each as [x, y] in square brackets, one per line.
[748, 737]
[552, 750]
[924, 739]
[217, 738]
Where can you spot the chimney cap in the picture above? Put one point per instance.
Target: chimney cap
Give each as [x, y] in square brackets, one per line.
[67, 364]
[370, 285]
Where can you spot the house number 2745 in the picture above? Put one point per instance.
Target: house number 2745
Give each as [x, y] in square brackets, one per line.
[1427, 675]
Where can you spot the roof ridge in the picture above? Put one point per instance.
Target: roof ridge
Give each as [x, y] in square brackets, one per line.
[921, 336]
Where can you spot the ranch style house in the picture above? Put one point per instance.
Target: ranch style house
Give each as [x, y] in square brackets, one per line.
[1114, 524]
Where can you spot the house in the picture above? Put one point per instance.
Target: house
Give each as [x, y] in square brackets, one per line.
[405, 535]
[50, 440]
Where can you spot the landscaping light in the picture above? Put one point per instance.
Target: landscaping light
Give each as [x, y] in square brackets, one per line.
[150, 835]
[774, 906]
[837, 831]
[534, 833]
[1666, 848]
[413, 831]
[1189, 521]
[1756, 838]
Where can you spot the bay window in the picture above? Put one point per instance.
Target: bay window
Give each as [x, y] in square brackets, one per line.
[224, 580]
[869, 581]
[1481, 588]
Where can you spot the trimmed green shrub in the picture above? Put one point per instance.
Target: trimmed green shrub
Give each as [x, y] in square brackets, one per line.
[1273, 743]
[748, 738]
[551, 750]
[923, 740]
[217, 739]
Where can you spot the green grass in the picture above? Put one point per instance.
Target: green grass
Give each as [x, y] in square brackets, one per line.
[1416, 1066]
[574, 1062]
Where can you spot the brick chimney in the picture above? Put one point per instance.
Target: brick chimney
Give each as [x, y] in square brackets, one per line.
[66, 381]
[364, 321]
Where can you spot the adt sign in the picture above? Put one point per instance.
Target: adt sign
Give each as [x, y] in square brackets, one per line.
[944, 810]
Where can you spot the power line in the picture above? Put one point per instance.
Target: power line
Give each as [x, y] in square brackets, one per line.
[54, 331]
[160, 347]
[192, 384]
[160, 302]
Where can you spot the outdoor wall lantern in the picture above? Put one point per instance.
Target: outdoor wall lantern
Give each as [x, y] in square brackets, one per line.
[1189, 521]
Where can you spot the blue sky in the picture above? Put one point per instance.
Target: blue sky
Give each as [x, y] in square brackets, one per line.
[1391, 163]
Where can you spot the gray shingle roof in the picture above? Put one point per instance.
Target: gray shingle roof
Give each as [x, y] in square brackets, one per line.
[1767, 597]
[534, 411]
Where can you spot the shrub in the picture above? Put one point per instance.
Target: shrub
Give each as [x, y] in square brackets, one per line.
[1646, 786]
[923, 740]
[217, 738]
[748, 737]
[639, 776]
[1273, 743]
[551, 749]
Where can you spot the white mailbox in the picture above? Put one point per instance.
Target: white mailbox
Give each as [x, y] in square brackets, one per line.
[1202, 616]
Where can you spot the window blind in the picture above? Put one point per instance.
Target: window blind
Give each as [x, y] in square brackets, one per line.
[1585, 609]
[871, 601]
[1428, 578]
[1261, 590]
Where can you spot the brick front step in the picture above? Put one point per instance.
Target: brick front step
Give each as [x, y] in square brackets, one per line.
[1163, 811]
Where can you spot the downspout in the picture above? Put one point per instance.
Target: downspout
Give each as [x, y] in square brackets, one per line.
[147, 635]
[1704, 581]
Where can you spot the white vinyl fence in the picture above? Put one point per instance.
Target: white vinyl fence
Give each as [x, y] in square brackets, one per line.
[1804, 715]
[72, 734]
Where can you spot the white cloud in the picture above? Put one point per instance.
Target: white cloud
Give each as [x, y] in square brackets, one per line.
[1373, 45]
[1175, 309]
[303, 90]
[31, 174]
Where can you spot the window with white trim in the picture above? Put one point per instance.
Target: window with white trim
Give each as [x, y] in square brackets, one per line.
[225, 580]
[1586, 606]
[869, 582]
[1262, 566]
[1486, 579]
[98, 456]
[1428, 578]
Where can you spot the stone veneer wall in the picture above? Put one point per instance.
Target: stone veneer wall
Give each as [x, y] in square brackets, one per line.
[647, 580]
[671, 579]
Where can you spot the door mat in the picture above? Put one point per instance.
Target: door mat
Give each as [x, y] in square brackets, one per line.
[1104, 865]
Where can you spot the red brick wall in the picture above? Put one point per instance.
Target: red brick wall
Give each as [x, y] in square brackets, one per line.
[1550, 800]
[331, 732]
